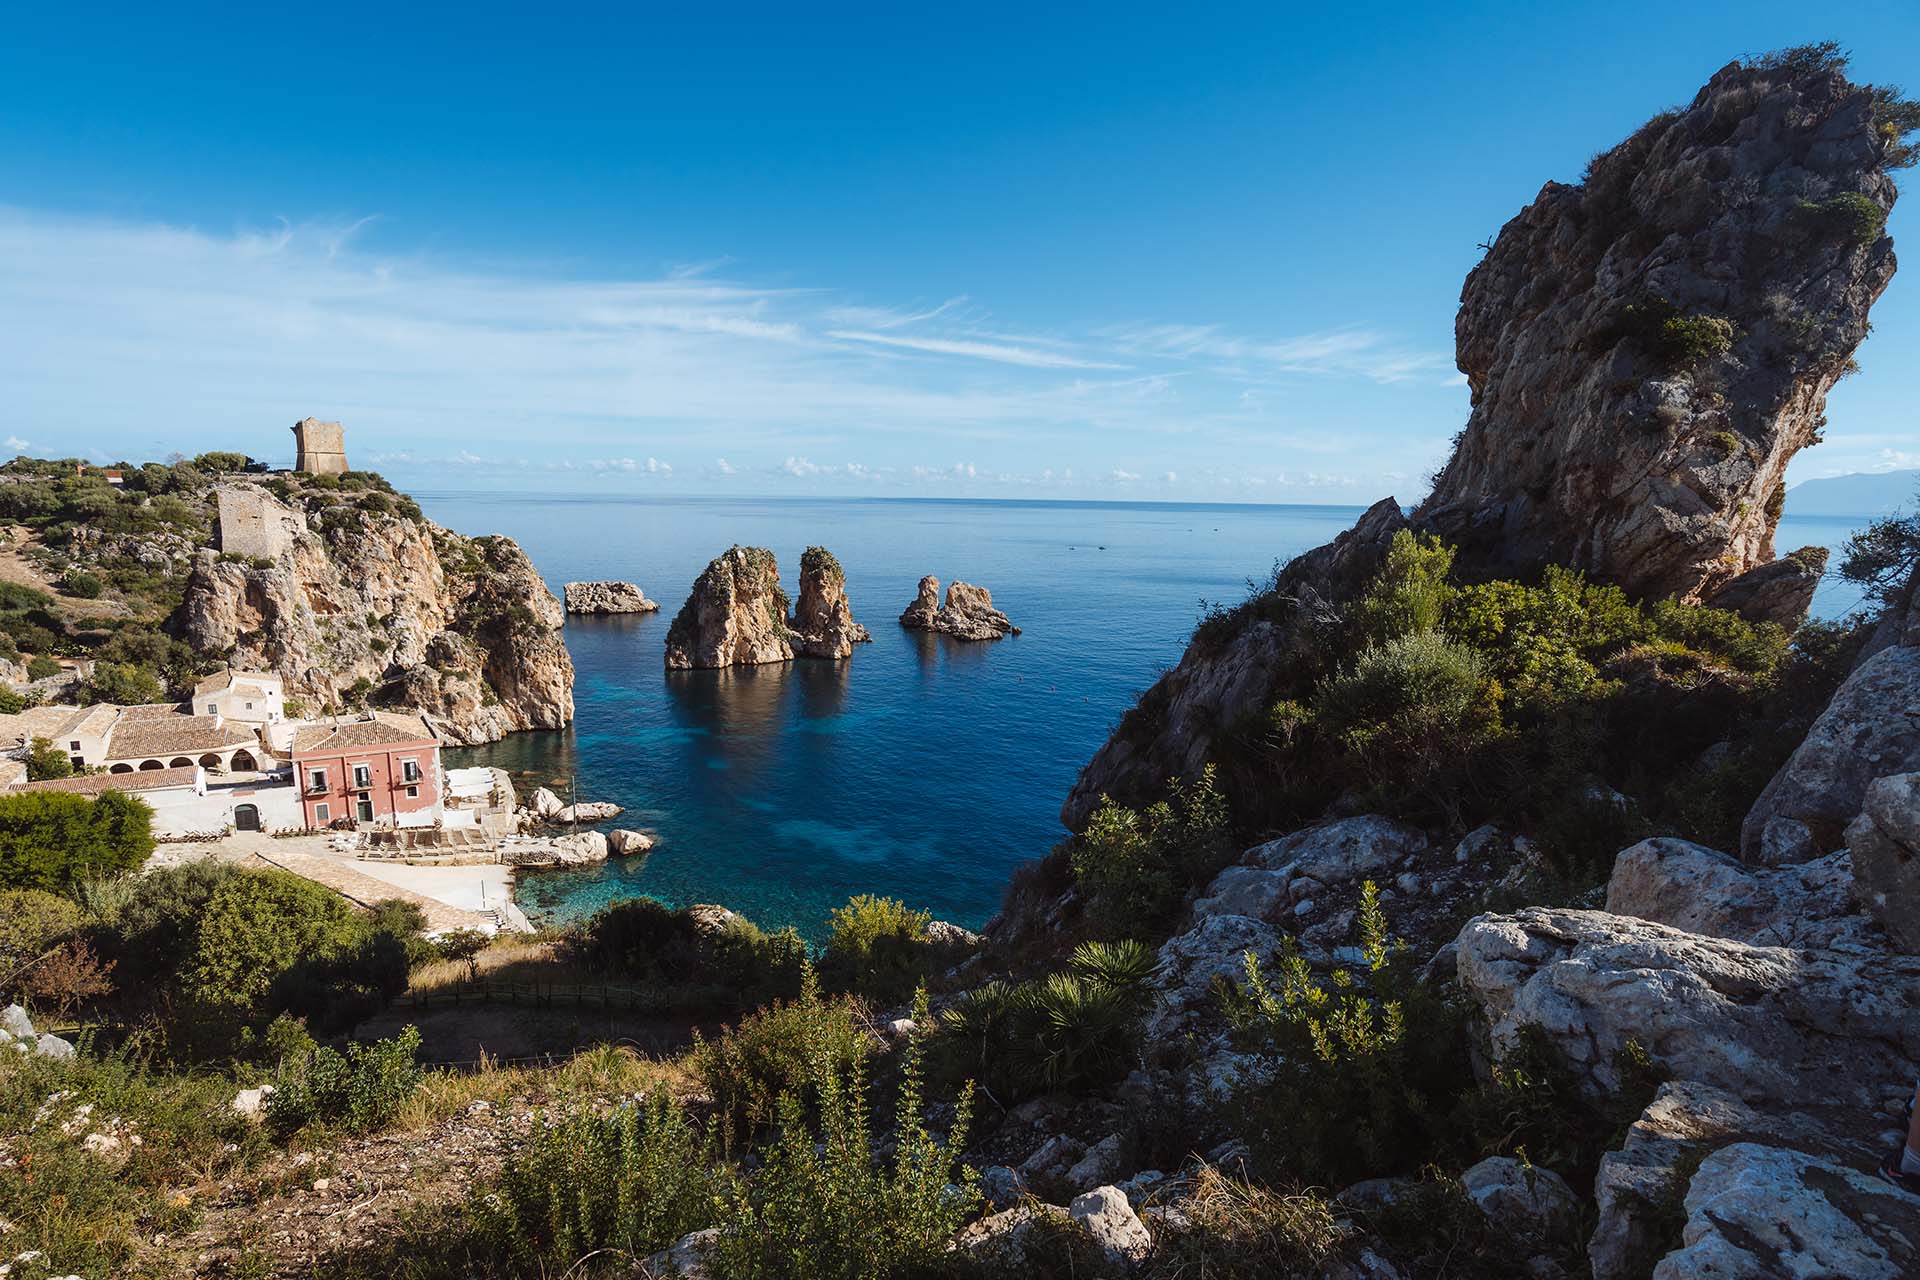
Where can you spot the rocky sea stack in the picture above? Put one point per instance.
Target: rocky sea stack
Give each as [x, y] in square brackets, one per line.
[607, 597]
[1647, 349]
[736, 616]
[822, 622]
[365, 599]
[968, 613]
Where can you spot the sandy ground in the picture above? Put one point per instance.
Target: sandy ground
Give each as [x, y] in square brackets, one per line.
[477, 888]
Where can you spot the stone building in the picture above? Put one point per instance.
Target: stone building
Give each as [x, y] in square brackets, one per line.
[254, 523]
[322, 447]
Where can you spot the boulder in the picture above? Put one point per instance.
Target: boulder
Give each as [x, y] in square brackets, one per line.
[968, 613]
[1755, 1211]
[607, 597]
[1275, 878]
[1884, 844]
[1770, 1022]
[251, 1103]
[1522, 1200]
[735, 616]
[622, 842]
[570, 815]
[15, 1022]
[685, 1259]
[1190, 962]
[1052, 1158]
[1779, 591]
[1691, 887]
[544, 804]
[1870, 729]
[1101, 1163]
[52, 1046]
[1113, 1224]
[1000, 1239]
[581, 848]
[822, 622]
[1002, 1187]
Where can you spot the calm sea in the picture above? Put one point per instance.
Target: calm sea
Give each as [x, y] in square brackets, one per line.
[922, 768]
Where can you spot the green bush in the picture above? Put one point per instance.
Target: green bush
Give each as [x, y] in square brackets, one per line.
[1134, 866]
[1850, 217]
[359, 1091]
[788, 1048]
[1410, 592]
[254, 928]
[55, 839]
[122, 683]
[1365, 1063]
[639, 939]
[80, 583]
[626, 1183]
[40, 666]
[46, 761]
[1078, 1028]
[876, 948]
[1883, 558]
[823, 1206]
[1536, 1106]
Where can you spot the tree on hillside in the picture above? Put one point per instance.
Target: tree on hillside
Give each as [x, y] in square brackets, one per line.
[56, 839]
[44, 761]
[125, 685]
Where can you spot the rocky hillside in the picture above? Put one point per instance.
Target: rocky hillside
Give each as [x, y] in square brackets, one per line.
[370, 601]
[1647, 349]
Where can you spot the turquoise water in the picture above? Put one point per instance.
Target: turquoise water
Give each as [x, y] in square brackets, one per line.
[922, 768]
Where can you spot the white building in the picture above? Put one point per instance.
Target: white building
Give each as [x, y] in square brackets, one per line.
[252, 697]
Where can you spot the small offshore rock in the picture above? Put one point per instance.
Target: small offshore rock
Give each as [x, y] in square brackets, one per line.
[968, 613]
[607, 597]
[622, 842]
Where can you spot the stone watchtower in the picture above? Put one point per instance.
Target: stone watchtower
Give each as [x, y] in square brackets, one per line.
[322, 447]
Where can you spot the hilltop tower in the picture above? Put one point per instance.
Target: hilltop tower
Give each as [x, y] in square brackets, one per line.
[322, 447]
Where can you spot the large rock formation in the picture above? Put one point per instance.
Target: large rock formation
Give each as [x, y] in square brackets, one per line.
[607, 597]
[736, 616]
[968, 613]
[1646, 351]
[362, 600]
[1884, 845]
[822, 622]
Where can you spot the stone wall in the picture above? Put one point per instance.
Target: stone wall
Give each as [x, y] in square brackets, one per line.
[322, 447]
[255, 524]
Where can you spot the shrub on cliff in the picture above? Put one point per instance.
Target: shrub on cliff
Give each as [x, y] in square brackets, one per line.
[626, 1183]
[358, 1091]
[1883, 558]
[876, 947]
[788, 1048]
[55, 839]
[1364, 1064]
[1134, 865]
[121, 683]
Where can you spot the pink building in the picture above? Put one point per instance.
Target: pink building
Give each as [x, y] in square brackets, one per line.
[381, 770]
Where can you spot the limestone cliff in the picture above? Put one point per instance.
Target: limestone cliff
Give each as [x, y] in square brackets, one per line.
[361, 601]
[736, 616]
[968, 613]
[1649, 348]
[1646, 351]
[822, 622]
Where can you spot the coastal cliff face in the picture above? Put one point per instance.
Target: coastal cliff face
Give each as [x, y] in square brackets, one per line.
[1646, 350]
[363, 603]
[736, 616]
[1649, 348]
[822, 622]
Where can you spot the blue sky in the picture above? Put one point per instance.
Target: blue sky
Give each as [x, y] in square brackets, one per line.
[1155, 251]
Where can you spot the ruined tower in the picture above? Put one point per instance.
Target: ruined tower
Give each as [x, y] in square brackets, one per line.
[322, 447]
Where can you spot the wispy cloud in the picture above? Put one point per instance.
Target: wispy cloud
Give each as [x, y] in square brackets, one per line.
[1005, 353]
[1351, 352]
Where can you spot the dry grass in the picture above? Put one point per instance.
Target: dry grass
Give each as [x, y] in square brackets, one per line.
[1242, 1230]
[606, 1072]
[508, 959]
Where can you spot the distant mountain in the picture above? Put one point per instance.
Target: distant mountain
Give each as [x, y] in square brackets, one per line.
[1880, 494]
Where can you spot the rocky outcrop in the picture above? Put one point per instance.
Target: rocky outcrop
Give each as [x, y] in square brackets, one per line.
[736, 616]
[1648, 349]
[1884, 846]
[607, 597]
[1780, 591]
[822, 622]
[1769, 1022]
[968, 613]
[369, 602]
[1645, 351]
[1688, 886]
[1870, 729]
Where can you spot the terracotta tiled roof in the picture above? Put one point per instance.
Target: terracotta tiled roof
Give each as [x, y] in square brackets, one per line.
[178, 735]
[379, 731]
[93, 784]
[151, 711]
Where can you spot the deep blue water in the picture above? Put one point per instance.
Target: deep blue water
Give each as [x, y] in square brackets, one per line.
[921, 768]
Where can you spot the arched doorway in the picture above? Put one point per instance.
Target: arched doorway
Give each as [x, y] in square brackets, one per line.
[147, 766]
[243, 759]
[246, 817]
[121, 768]
[179, 762]
[211, 760]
